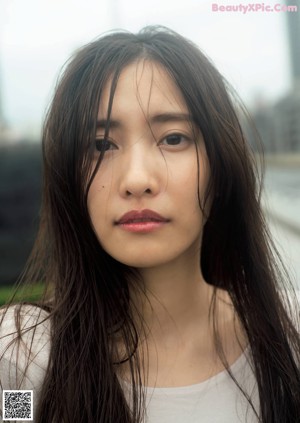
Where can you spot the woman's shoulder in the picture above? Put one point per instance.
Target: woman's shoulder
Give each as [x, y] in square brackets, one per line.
[23, 321]
[24, 346]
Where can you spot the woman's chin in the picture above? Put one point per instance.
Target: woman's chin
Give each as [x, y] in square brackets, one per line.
[143, 261]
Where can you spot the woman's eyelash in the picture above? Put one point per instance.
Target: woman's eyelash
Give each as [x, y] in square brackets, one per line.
[173, 139]
[104, 144]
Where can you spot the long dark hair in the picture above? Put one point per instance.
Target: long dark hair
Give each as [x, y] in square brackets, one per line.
[88, 291]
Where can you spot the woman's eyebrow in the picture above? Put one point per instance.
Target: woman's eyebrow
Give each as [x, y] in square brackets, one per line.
[102, 123]
[171, 117]
[155, 119]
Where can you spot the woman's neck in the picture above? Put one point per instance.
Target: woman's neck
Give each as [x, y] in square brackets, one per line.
[178, 328]
[177, 299]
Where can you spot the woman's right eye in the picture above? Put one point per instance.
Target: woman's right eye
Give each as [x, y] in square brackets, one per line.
[104, 144]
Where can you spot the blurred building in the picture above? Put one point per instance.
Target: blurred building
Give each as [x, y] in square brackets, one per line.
[279, 124]
[3, 125]
[263, 119]
[293, 29]
[1, 111]
[286, 122]
[286, 113]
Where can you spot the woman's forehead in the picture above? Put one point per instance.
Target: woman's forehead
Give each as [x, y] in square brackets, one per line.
[146, 83]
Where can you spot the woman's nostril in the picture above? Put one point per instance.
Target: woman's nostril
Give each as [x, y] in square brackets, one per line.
[135, 192]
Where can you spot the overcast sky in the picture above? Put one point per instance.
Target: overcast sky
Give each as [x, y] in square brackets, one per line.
[38, 36]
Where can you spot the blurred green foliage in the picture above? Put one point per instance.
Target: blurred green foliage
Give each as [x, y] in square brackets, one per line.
[32, 293]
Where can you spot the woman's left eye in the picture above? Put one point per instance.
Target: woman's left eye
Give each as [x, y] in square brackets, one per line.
[173, 139]
[104, 144]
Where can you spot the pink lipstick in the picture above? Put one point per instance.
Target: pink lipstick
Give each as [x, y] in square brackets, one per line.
[142, 221]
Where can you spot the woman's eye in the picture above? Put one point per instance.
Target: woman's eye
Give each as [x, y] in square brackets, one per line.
[104, 144]
[173, 139]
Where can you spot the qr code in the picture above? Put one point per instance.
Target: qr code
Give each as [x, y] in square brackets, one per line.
[17, 405]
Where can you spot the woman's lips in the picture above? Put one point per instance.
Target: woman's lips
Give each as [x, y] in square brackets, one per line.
[141, 221]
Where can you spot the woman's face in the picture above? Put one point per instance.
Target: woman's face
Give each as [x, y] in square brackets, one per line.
[143, 200]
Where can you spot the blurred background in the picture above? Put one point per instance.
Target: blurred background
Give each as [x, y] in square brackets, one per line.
[258, 51]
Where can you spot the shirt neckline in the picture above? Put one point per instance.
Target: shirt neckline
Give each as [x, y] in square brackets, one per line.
[235, 367]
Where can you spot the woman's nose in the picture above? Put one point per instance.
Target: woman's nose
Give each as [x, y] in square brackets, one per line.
[141, 170]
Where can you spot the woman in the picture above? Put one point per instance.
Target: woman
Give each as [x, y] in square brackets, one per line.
[163, 300]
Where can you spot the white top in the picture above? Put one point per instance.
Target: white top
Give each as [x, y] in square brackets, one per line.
[216, 400]
[11, 376]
